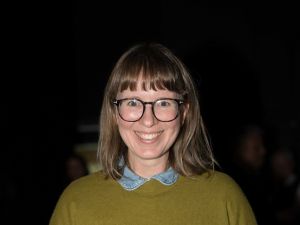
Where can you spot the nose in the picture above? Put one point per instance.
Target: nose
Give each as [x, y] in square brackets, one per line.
[148, 119]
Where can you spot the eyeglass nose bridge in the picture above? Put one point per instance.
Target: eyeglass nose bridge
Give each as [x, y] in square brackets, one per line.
[144, 108]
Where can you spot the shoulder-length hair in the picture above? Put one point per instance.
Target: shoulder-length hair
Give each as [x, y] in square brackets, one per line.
[160, 69]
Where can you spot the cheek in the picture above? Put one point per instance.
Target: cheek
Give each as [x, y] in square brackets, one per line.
[123, 125]
[173, 131]
[124, 128]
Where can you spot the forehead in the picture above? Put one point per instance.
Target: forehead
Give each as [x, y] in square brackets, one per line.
[146, 93]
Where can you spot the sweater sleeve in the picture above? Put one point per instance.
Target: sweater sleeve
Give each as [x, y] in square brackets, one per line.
[65, 210]
[238, 208]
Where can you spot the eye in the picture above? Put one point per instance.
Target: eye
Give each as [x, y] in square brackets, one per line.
[132, 102]
[164, 103]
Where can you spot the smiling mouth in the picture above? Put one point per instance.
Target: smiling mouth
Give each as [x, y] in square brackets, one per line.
[148, 136]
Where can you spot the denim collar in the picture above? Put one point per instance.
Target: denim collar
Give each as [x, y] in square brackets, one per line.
[130, 181]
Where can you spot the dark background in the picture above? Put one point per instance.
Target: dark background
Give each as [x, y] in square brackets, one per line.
[245, 60]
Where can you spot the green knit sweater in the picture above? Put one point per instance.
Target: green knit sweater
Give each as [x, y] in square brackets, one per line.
[206, 200]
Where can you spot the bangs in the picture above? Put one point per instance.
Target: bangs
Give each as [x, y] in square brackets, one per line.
[153, 70]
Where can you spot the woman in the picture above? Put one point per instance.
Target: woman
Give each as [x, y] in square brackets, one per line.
[158, 167]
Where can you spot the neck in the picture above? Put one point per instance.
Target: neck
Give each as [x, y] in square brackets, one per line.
[148, 168]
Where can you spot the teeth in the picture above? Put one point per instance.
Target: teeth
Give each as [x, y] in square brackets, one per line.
[148, 136]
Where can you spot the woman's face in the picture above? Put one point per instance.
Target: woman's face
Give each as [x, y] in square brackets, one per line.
[148, 139]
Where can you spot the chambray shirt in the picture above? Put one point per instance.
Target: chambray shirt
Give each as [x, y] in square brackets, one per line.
[130, 181]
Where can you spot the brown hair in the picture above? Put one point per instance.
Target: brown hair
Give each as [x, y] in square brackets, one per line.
[160, 69]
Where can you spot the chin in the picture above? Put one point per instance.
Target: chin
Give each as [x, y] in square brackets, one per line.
[151, 155]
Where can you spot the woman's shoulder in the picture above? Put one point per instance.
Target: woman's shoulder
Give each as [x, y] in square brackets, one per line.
[214, 185]
[221, 178]
[94, 177]
[215, 181]
[93, 182]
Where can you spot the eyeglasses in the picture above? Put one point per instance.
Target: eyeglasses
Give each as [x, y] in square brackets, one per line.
[132, 109]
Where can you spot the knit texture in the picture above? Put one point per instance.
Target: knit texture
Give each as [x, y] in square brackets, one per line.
[206, 200]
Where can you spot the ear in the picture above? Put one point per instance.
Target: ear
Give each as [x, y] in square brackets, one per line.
[185, 111]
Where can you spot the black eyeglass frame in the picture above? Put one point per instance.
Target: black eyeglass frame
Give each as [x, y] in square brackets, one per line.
[118, 101]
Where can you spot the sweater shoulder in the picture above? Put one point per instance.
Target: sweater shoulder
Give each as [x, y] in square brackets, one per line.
[222, 179]
[216, 182]
[90, 179]
[89, 184]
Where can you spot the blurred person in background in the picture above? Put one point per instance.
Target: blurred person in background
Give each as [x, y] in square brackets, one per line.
[247, 168]
[285, 187]
[75, 167]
